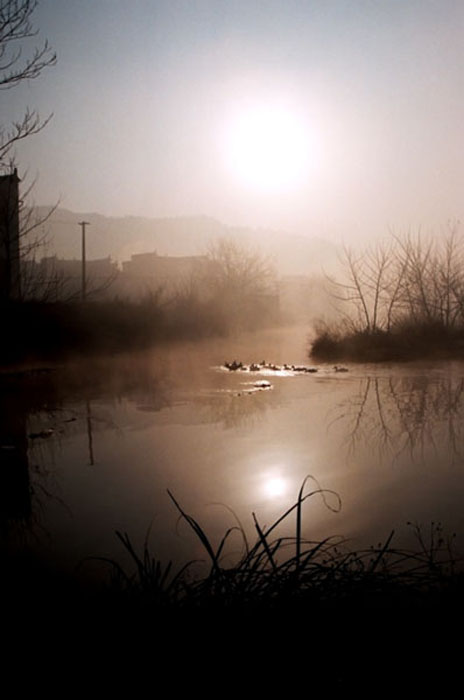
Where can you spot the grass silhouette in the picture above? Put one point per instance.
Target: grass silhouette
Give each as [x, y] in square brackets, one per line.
[286, 572]
[314, 612]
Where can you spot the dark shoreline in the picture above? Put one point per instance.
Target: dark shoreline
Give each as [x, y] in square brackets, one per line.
[360, 630]
[315, 611]
[414, 342]
[275, 574]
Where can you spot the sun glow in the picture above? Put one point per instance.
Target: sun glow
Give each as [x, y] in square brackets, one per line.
[269, 148]
[275, 486]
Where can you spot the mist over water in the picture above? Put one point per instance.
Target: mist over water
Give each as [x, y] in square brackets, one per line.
[92, 447]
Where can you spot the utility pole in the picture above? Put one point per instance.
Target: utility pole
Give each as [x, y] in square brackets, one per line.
[83, 224]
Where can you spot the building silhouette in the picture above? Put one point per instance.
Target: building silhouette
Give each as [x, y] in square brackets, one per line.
[10, 278]
[53, 279]
[150, 272]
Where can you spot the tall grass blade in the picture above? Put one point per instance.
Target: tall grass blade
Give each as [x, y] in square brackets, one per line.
[298, 525]
[382, 552]
[263, 540]
[199, 532]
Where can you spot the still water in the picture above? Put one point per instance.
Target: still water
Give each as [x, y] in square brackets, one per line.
[92, 447]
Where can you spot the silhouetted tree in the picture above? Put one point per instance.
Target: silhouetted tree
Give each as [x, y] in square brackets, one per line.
[368, 286]
[16, 66]
[242, 281]
[237, 270]
[18, 225]
[409, 279]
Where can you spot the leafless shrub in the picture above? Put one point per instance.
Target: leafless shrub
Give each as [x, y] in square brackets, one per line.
[408, 279]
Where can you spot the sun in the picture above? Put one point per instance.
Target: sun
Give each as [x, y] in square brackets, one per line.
[268, 148]
[275, 486]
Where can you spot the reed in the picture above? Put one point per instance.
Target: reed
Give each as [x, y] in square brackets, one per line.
[279, 572]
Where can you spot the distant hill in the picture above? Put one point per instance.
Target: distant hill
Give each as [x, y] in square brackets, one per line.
[123, 236]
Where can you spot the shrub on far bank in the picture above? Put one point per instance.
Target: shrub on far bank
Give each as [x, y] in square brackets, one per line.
[407, 340]
[400, 300]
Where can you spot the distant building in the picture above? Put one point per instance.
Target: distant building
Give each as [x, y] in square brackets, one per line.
[10, 279]
[150, 272]
[72, 269]
[55, 279]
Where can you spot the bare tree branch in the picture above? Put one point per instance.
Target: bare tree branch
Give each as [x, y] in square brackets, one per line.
[16, 29]
[411, 278]
[18, 63]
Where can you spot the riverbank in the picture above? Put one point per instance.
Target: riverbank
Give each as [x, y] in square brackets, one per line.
[36, 331]
[406, 342]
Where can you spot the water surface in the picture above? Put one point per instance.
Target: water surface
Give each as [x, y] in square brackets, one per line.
[93, 446]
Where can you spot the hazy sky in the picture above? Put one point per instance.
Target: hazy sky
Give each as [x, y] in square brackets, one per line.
[357, 107]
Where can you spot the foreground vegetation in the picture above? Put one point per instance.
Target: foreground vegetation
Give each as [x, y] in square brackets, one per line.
[337, 616]
[281, 573]
[277, 572]
[398, 301]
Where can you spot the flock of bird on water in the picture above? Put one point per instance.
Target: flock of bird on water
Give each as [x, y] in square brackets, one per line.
[257, 367]
[263, 384]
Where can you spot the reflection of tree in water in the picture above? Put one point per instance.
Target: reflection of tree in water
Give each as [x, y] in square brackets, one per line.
[87, 393]
[108, 380]
[41, 407]
[406, 414]
[15, 498]
[24, 482]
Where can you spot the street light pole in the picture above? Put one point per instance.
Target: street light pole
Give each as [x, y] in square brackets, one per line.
[83, 224]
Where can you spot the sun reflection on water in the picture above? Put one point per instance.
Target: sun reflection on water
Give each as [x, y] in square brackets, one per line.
[275, 486]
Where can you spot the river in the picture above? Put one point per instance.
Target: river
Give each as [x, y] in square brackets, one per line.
[93, 446]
